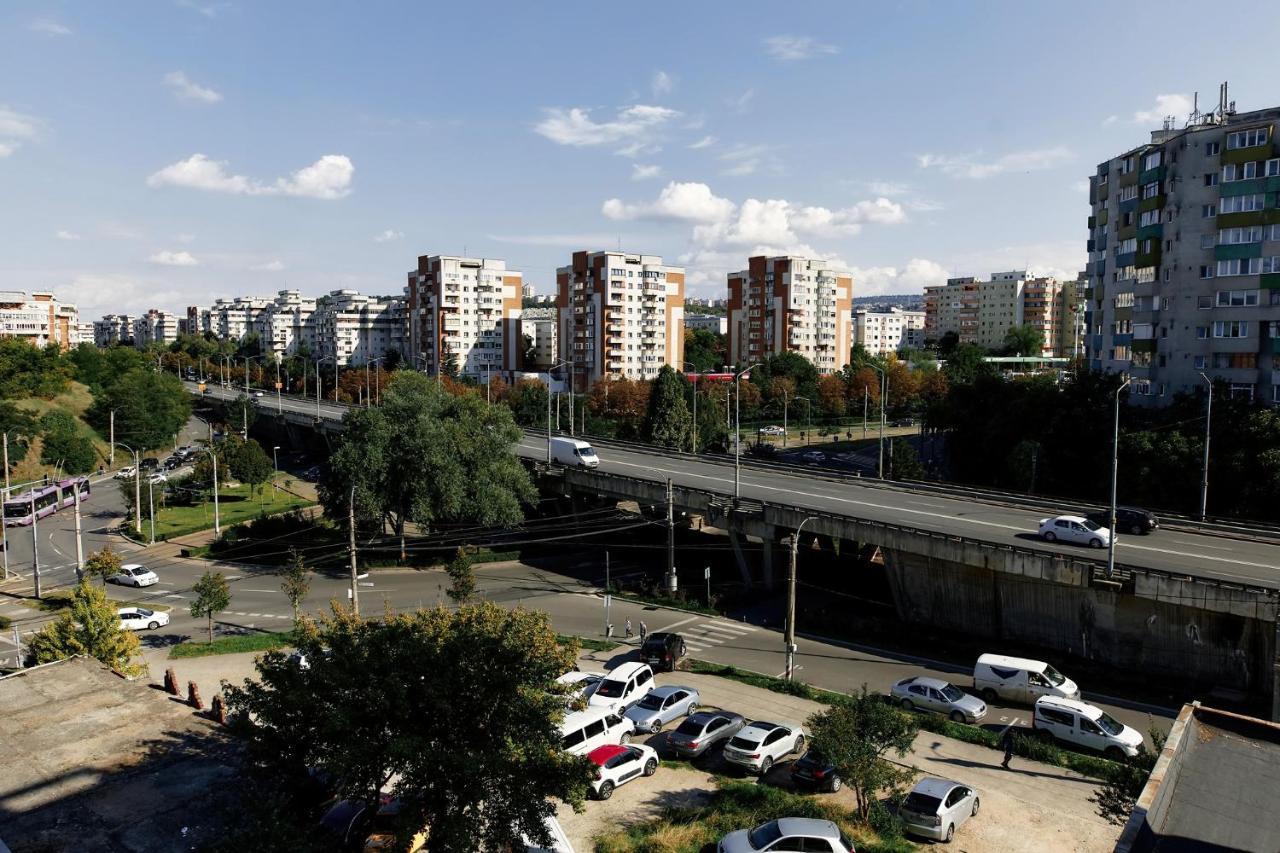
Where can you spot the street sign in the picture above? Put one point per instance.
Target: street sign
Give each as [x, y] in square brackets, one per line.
[607, 600]
[706, 573]
[279, 386]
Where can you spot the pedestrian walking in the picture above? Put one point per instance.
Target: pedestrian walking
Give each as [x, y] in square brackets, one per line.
[628, 629]
[1007, 742]
[644, 630]
[608, 631]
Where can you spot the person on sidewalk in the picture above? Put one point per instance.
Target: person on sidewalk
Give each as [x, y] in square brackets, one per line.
[1007, 742]
[628, 629]
[644, 631]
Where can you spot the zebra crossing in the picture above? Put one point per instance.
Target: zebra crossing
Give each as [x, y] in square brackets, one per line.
[710, 633]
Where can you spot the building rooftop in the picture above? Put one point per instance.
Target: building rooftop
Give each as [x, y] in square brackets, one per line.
[1215, 787]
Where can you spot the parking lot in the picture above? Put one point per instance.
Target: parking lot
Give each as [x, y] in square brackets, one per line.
[1030, 807]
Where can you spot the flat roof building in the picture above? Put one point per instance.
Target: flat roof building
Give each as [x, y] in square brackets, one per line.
[465, 312]
[791, 304]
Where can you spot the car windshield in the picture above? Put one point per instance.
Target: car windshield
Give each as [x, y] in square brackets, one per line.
[1089, 525]
[651, 702]
[1109, 724]
[922, 803]
[611, 689]
[764, 835]
[1056, 678]
[142, 611]
[742, 743]
[952, 693]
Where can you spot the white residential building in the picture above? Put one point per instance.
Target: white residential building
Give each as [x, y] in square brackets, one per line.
[232, 319]
[38, 318]
[465, 311]
[883, 332]
[718, 324]
[113, 329]
[541, 326]
[791, 304]
[358, 329]
[287, 326]
[155, 327]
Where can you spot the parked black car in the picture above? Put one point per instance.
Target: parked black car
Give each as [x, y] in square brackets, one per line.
[148, 463]
[814, 772]
[663, 650]
[1128, 520]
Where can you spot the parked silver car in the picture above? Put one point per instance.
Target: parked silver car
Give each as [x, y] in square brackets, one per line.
[704, 730]
[788, 833]
[661, 706]
[936, 807]
[940, 697]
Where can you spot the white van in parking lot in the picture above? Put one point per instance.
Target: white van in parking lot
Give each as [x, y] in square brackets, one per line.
[583, 731]
[1019, 680]
[573, 452]
[1085, 725]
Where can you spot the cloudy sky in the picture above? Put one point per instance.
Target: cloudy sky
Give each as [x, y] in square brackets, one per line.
[171, 152]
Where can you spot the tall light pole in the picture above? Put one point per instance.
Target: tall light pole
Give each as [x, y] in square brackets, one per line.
[549, 371]
[785, 403]
[1115, 469]
[808, 416]
[319, 361]
[137, 486]
[1208, 422]
[884, 392]
[694, 437]
[217, 519]
[790, 635]
[737, 429]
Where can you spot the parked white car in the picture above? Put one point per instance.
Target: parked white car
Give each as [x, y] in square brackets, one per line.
[788, 833]
[626, 685]
[583, 684]
[617, 765]
[137, 618]
[132, 574]
[157, 478]
[125, 473]
[936, 807]
[1086, 725]
[759, 745]
[1074, 529]
[1019, 680]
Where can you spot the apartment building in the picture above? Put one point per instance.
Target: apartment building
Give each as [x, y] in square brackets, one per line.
[983, 312]
[113, 329]
[714, 323]
[540, 326]
[288, 326]
[791, 304]
[155, 327]
[198, 321]
[356, 329]
[465, 312]
[84, 334]
[232, 319]
[892, 330]
[1184, 258]
[621, 316]
[38, 318]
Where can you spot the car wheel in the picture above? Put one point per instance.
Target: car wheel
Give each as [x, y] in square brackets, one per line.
[691, 710]
[765, 767]
[1095, 543]
[137, 584]
[951, 833]
[1049, 536]
[606, 791]
[908, 705]
[957, 717]
[799, 745]
[153, 625]
[835, 784]
[989, 695]
[976, 802]
[651, 767]
[1136, 530]
[625, 739]
[1115, 753]
[656, 727]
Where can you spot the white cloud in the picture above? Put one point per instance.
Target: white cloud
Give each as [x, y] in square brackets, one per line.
[577, 241]
[327, 178]
[388, 235]
[49, 27]
[7, 148]
[704, 142]
[1110, 120]
[917, 274]
[1178, 106]
[634, 127]
[662, 83]
[966, 166]
[793, 48]
[15, 128]
[1061, 259]
[742, 102]
[690, 202]
[67, 235]
[269, 266]
[188, 90]
[174, 259]
[209, 10]
[640, 172]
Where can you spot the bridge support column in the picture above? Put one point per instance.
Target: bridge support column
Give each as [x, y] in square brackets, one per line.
[766, 558]
[740, 558]
[1275, 676]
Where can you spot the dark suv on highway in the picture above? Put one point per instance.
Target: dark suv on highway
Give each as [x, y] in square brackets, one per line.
[663, 650]
[1128, 519]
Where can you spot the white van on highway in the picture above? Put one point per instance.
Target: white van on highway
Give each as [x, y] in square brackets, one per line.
[1019, 680]
[573, 452]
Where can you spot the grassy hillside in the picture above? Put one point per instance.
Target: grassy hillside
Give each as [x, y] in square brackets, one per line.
[75, 401]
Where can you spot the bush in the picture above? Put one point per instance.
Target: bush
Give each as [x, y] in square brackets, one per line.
[5, 623]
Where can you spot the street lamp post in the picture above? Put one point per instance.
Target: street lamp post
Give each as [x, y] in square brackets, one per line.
[1204, 476]
[737, 429]
[884, 392]
[137, 486]
[808, 416]
[275, 468]
[1115, 468]
[694, 437]
[790, 636]
[217, 519]
[319, 385]
[549, 371]
[785, 403]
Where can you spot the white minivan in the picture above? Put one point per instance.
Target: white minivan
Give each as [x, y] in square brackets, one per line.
[573, 452]
[623, 687]
[1085, 725]
[1019, 680]
[583, 731]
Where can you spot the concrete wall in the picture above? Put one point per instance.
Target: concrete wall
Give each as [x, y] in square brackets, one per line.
[1120, 628]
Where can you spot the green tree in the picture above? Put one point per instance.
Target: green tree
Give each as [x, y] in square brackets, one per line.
[527, 400]
[213, 595]
[295, 582]
[18, 427]
[32, 371]
[240, 415]
[668, 421]
[1024, 340]
[855, 735]
[151, 408]
[90, 626]
[705, 350]
[102, 564]
[904, 461]
[966, 364]
[948, 343]
[65, 445]
[249, 463]
[1116, 797]
[462, 578]
[457, 713]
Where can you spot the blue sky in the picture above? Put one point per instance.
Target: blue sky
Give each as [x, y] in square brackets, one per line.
[160, 154]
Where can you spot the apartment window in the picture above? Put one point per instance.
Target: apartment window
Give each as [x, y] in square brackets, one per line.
[1128, 193]
[1145, 275]
[1242, 203]
[1102, 179]
[1231, 328]
[1206, 271]
[1124, 300]
[1237, 298]
[1204, 302]
[1208, 241]
[1247, 138]
[1127, 246]
[1273, 167]
[1269, 265]
[1149, 217]
[1208, 211]
[1211, 148]
[1151, 160]
[1235, 236]
[1202, 332]
[1151, 190]
[1241, 391]
[1198, 362]
[1211, 179]
[1239, 172]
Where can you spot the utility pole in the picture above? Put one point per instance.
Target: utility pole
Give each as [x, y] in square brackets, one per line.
[351, 529]
[151, 510]
[1115, 467]
[671, 540]
[35, 546]
[137, 492]
[608, 593]
[1204, 476]
[111, 451]
[706, 576]
[866, 398]
[790, 637]
[79, 541]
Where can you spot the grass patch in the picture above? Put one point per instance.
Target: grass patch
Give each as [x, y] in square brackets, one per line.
[50, 603]
[734, 805]
[664, 601]
[587, 643]
[755, 679]
[5, 622]
[259, 642]
[235, 505]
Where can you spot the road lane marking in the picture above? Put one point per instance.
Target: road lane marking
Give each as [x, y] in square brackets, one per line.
[675, 624]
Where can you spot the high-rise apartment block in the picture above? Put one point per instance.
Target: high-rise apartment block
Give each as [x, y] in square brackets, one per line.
[791, 304]
[355, 329]
[621, 316]
[894, 330]
[155, 327]
[113, 329]
[288, 325]
[38, 318]
[465, 312]
[983, 312]
[540, 326]
[1184, 258]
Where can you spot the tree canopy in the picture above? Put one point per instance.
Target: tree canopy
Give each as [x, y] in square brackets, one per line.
[213, 595]
[249, 463]
[1024, 340]
[90, 626]
[668, 420]
[151, 408]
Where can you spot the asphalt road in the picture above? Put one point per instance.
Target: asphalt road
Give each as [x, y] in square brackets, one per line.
[1216, 557]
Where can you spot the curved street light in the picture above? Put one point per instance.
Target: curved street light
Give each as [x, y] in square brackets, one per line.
[790, 636]
[1115, 467]
[137, 487]
[884, 393]
[737, 428]
[217, 520]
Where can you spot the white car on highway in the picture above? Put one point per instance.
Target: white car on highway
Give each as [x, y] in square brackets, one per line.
[759, 745]
[1074, 529]
[137, 618]
[131, 574]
